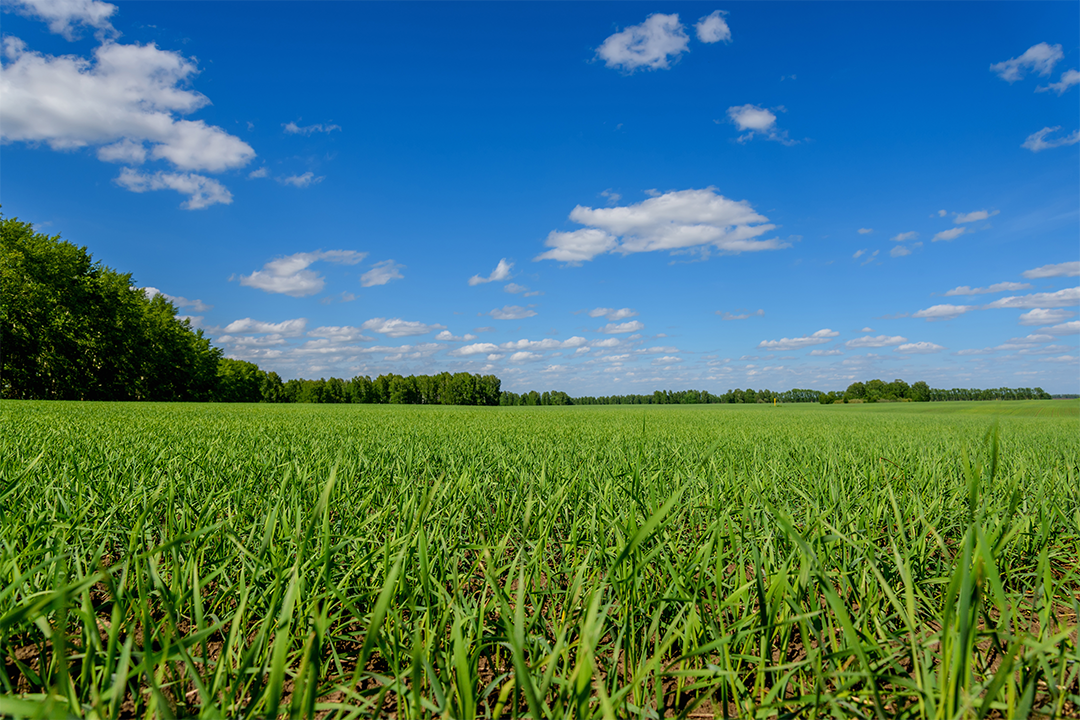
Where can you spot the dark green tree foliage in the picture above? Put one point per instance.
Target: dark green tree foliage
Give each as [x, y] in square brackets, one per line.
[239, 381]
[74, 329]
[442, 389]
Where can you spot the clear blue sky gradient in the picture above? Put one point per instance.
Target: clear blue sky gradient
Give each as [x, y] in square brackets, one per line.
[468, 132]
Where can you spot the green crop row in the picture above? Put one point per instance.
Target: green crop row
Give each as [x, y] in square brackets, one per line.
[412, 562]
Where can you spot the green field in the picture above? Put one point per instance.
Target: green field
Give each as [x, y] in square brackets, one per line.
[916, 560]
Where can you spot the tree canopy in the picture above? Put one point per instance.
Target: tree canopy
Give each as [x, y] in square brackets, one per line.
[74, 329]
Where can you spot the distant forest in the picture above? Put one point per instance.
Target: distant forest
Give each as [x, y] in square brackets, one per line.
[74, 329]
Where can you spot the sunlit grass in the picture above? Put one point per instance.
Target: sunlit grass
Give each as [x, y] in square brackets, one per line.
[251, 561]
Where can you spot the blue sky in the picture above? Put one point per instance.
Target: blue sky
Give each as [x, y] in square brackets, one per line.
[598, 198]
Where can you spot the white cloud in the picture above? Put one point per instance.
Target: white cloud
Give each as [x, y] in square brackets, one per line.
[867, 329]
[196, 305]
[501, 272]
[825, 353]
[1068, 79]
[124, 151]
[683, 220]
[382, 273]
[865, 231]
[292, 128]
[740, 316]
[339, 333]
[1037, 142]
[652, 45]
[128, 94]
[259, 173]
[713, 28]
[1042, 316]
[995, 288]
[612, 196]
[1039, 58]
[619, 328]
[302, 181]
[858, 254]
[1061, 298]
[289, 275]
[899, 251]
[520, 357]
[612, 314]
[545, 344]
[63, 15]
[475, 349]
[904, 236]
[202, 191]
[667, 360]
[819, 338]
[919, 348]
[951, 234]
[944, 311]
[606, 343]
[1065, 269]
[753, 120]
[286, 328]
[974, 216]
[514, 288]
[1069, 328]
[512, 312]
[1061, 359]
[658, 350]
[399, 328]
[876, 342]
[446, 335]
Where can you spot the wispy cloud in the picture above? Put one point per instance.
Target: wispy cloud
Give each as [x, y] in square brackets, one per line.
[995, 288]
[1039, 58]
[292, 128]
[1037, 142]
[512, 312]
[501, 272]
[819, 338]
[1065, 269]
[382, 273]
[653, 45]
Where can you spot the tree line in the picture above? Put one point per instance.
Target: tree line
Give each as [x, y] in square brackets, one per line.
[74, 329]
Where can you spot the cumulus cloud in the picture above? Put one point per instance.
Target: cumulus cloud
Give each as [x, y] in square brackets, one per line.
[876, 342]
[512, 312]
[974, 216]
[63, 16]
[126, 101]
[667, 360]
[619, 328]
[995, 288]
[254, 174]
[899, 251]
[949, 235]
[1039, 58]
[1062, 298]
[1065, 269]
[475, 349]
[1043, 316]
[1068, 79]
[819, 338]
[524, 356]
[613, 314]
[682, 220]
[202, 192]
[1069, 328]
[399, 328]
[292, 128]
[652, 45]
[741, 316]
[944, 312]
[919, 348]
[339, 333]
[286, 328]
[1037, 142]
[752, 120]
[713, 28]
[545, 344]
[865, 231]
[289, 275]
[182, 302]
[825, 353]
[904, 236]
[382, 273]
[500, 273]
[302, 181]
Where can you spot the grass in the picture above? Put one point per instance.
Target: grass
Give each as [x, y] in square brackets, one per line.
[913, 561]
